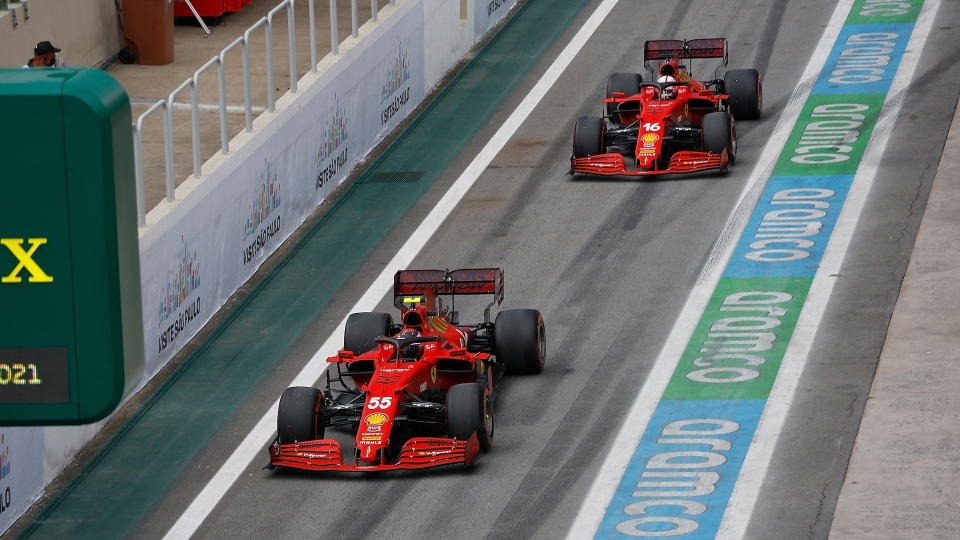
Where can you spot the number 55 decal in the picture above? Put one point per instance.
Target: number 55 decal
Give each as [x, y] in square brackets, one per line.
[380, 402]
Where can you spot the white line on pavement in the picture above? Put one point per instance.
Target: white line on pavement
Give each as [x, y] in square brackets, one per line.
[263, 432]
[755, 465]
[611, 472]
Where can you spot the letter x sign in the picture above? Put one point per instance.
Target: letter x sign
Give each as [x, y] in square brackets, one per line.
[25, 258]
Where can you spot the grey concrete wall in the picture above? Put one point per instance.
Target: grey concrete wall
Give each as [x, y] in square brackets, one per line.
[88, 31]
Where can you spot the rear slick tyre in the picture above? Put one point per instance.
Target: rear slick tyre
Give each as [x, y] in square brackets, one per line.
[628, 83]
[362, 329]
[745, 93]
[520, 341]
[469, 411]
[297, 415]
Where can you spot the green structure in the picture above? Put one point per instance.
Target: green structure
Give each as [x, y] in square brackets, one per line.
[71, 331]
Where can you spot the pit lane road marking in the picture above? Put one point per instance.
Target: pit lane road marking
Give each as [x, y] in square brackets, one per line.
[261, 435]
[692, 439]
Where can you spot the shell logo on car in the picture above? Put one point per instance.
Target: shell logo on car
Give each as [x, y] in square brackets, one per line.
[376, 419]
[650, 138]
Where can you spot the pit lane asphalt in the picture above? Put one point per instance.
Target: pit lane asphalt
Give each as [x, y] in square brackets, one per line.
[609, 263]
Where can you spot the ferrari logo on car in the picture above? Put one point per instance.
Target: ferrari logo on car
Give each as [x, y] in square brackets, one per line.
[376, 419]
[433, 374]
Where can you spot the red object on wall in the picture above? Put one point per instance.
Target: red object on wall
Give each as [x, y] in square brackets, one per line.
[208, 8]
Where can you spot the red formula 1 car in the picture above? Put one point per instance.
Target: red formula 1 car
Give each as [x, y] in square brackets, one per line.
[417, 394]
[674, 125]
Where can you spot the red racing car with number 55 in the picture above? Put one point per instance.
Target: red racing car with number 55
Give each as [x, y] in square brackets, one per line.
[673, 125]
[416, 394]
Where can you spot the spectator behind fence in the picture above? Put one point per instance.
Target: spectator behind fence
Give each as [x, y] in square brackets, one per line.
[44, 55]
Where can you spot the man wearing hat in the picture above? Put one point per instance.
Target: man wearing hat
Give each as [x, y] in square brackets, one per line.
[44, 55]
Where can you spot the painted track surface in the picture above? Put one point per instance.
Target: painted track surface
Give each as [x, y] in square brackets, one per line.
[610, 264]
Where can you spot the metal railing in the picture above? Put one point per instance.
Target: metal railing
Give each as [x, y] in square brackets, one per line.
[165, 106]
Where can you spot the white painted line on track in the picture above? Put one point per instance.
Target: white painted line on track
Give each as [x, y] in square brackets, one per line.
[263, 433]
[614, 466]
[757, 461]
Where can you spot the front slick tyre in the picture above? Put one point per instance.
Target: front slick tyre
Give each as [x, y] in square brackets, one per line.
[719, 133]
[588, 136]
[469, 411]
[520, 341]
[297, 416]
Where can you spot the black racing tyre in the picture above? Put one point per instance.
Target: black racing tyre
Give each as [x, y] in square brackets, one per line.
[745, 91]
[363, 328]
[469, 411]
[628, 83]
[297, 415]
[588, 136]
[520, 341]
[719, 133]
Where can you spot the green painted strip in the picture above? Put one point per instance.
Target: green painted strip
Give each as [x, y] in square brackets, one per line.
[135, 468]
[742, 336]
[830, 135]
[883, 12]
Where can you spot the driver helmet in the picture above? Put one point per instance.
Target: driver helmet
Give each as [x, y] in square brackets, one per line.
[669, 92]
[412, 351]
[667, 74]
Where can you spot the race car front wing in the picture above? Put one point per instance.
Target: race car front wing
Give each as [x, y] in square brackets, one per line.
[416, 453]
[683, 162]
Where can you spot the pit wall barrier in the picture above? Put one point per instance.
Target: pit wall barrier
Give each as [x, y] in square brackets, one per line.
[198, 250]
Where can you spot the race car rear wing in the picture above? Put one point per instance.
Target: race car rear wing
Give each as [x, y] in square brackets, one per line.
[467, 281]
[662, 49]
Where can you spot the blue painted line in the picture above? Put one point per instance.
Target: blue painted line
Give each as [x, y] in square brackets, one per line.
[791, 209]
[864, 55]
[711, 431]
[682, 489]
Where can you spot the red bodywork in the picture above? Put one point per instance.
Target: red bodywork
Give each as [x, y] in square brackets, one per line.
[658, 117]
[392, 387]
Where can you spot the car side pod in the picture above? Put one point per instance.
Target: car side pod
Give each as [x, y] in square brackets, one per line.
[417, 453]
[686, 161]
